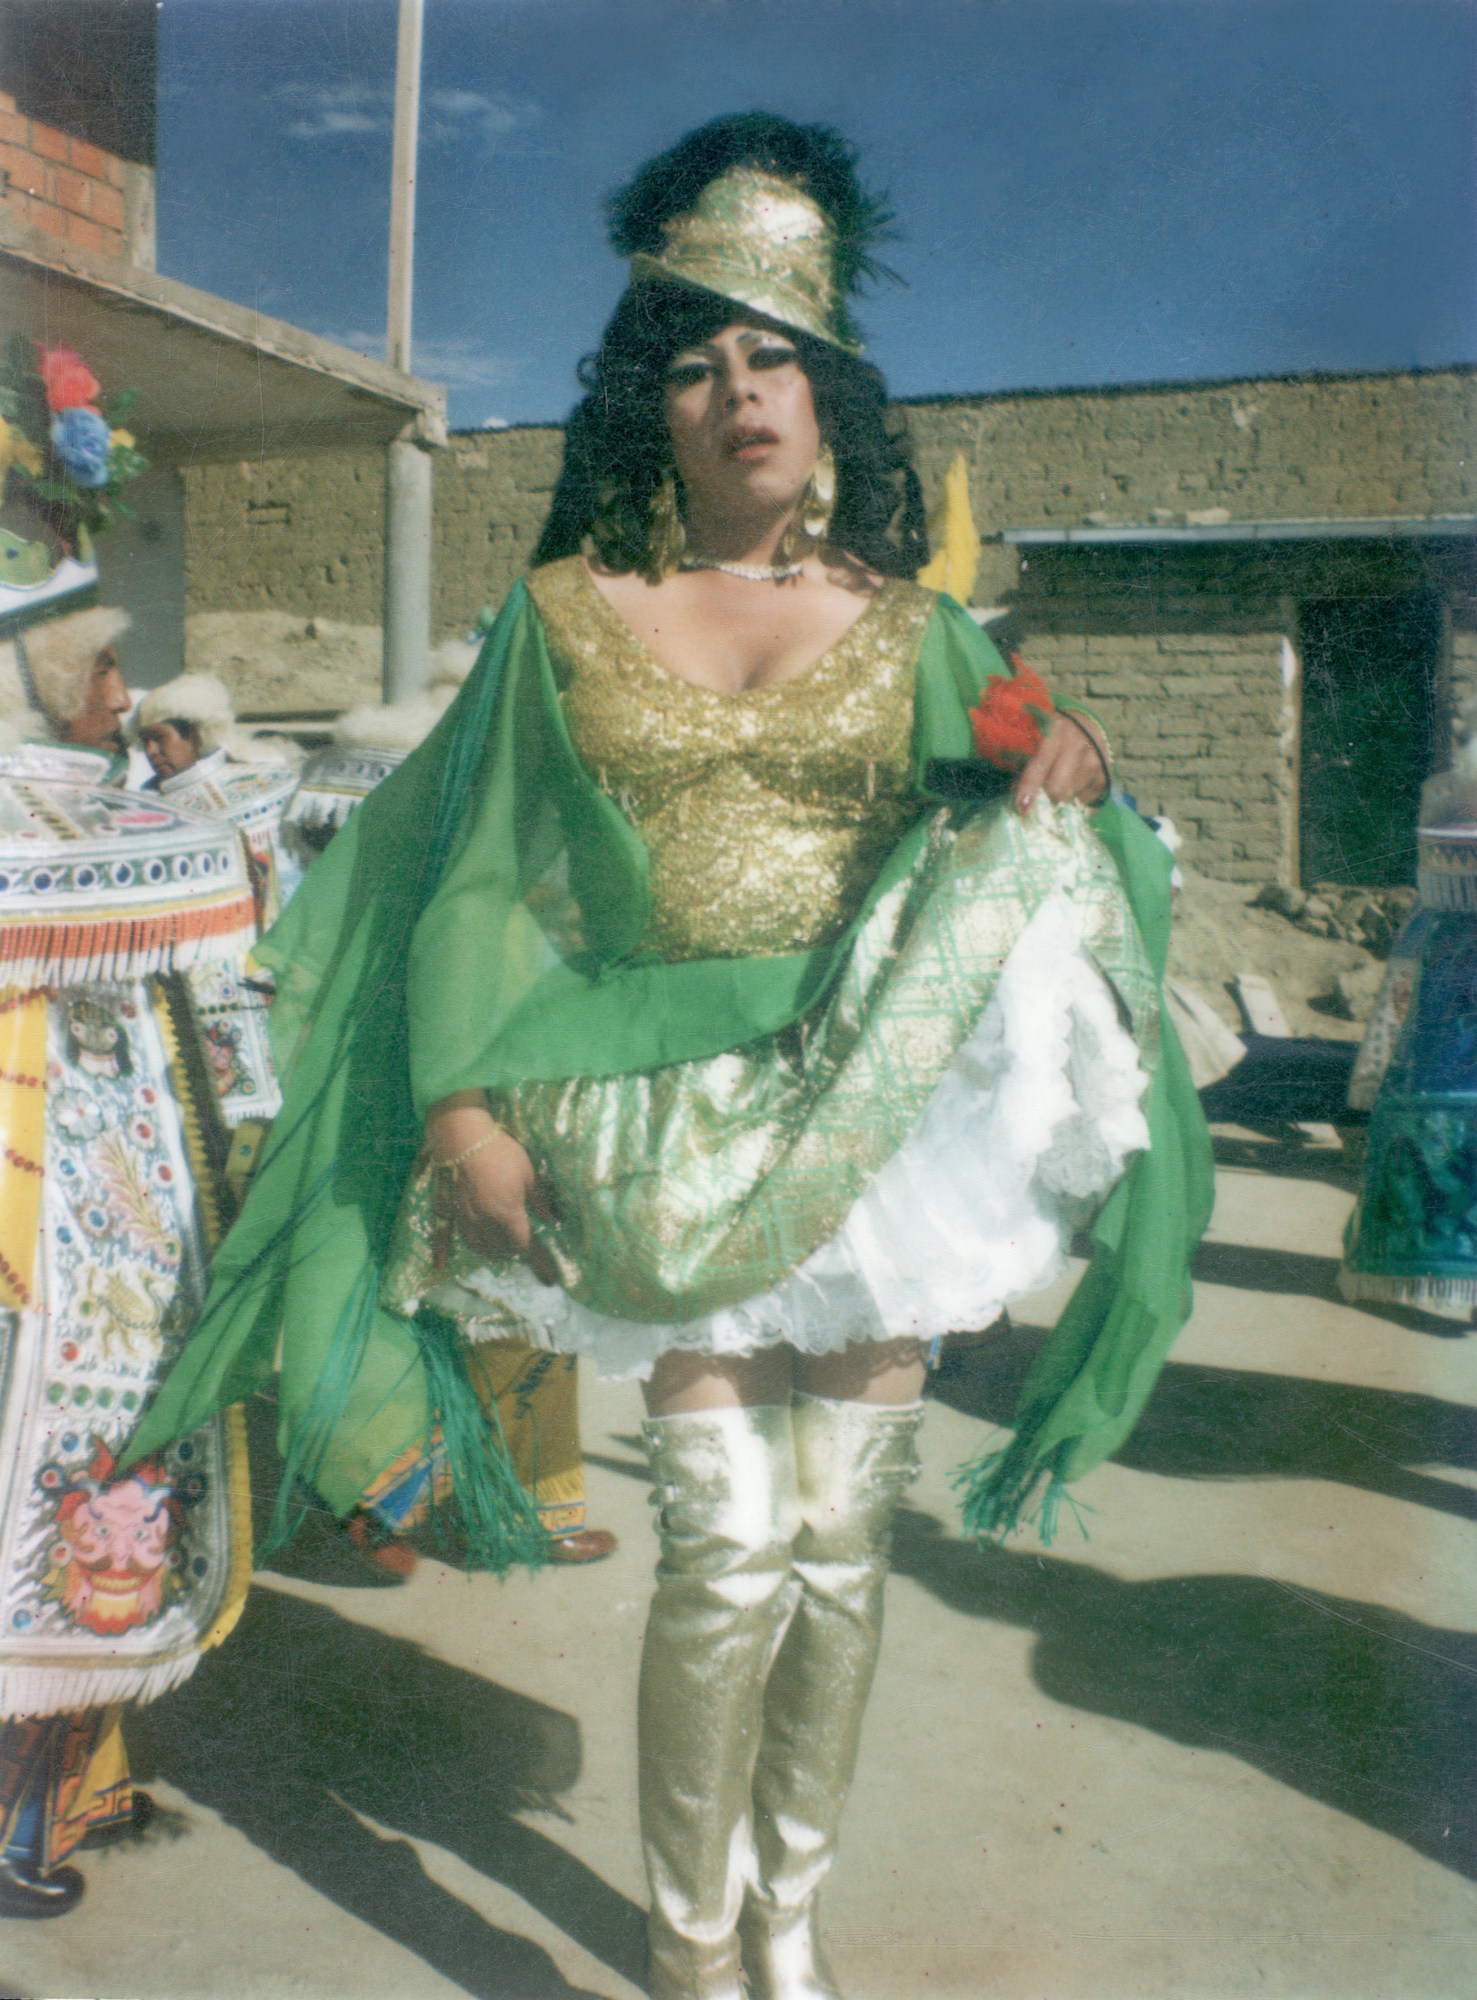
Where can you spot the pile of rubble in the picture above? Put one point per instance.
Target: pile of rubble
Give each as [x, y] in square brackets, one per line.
[1367, 917]
[1325, 980]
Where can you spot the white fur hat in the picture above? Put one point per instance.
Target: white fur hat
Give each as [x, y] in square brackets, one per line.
[61, 653]
[453, 660]
[399, 725]
[199, 699]
[19, 719]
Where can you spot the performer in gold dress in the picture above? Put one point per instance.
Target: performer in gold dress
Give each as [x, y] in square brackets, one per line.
[696, 1000]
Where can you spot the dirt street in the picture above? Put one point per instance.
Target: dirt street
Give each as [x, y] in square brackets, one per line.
[1223, 1747]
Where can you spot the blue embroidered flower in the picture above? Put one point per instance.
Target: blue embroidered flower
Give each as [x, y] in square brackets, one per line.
[80, 440]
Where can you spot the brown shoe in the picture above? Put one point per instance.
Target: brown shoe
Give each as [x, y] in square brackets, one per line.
[583, 1545]
[386, 1551]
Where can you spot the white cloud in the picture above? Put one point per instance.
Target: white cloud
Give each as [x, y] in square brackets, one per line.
[462, 364]
[344, 110]
[458, 362]
[494, 117]
[334, 110]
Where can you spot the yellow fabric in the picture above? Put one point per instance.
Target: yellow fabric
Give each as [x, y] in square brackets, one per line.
[238, 1471]
[537, 1399]
[953, 537]
[207, 1194]
[89, 1785]
[22, 1142]
[100, 1795]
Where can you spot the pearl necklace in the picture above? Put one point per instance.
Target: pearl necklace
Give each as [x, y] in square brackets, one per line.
[750, 572]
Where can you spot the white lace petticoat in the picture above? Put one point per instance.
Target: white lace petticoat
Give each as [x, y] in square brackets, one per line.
[1024, 1134]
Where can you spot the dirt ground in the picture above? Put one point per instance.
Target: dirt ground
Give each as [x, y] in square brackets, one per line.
[276, 660]
[1221, 1748]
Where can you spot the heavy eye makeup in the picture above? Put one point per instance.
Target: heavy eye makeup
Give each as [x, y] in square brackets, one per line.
[687, 371]
[772, 355]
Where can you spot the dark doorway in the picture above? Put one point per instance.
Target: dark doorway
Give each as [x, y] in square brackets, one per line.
[1370, 674]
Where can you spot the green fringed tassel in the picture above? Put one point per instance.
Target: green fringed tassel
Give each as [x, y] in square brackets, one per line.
[496, 1522]
[997, 1490]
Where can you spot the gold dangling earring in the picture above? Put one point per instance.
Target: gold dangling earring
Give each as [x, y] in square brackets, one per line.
[812, 518]
[666, 538]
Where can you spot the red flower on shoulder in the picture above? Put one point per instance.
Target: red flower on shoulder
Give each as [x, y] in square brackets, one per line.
[68, 381]
[1013, 717]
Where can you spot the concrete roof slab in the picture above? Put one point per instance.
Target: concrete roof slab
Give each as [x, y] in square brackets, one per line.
[215, 380]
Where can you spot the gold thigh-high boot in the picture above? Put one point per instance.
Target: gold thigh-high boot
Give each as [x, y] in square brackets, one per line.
[853, 1463]
[724, 1481]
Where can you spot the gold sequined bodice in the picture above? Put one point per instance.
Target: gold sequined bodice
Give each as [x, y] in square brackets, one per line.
[766, 814]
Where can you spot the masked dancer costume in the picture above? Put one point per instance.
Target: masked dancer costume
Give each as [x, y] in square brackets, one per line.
[814, 1044]
[111, 1585]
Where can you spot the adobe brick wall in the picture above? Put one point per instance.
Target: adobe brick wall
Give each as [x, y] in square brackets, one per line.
[1186, 658]
[63, 185]
[1351, 447]
[1319, 448]
[306, 535]
[492, 494]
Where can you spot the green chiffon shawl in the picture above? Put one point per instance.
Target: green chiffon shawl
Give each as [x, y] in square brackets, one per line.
[478, 923]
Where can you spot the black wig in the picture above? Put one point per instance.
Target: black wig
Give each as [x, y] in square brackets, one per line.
[616, 449]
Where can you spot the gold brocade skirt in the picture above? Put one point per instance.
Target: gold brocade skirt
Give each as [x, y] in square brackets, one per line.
[915, 1151]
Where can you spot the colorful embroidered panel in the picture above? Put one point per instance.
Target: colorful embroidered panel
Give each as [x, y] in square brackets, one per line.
[253, 797]
[230, 1020]
[109, 1587]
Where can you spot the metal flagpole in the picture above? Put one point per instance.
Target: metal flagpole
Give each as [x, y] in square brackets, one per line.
[407, 616]
[402, 179]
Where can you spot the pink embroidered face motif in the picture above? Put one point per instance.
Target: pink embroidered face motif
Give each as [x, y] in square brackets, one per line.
[113, 1553]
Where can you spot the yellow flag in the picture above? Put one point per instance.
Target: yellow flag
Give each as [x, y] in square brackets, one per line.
[22, 1141]
[953, 537]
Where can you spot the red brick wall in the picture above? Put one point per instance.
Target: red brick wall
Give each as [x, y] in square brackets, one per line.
[60, 184]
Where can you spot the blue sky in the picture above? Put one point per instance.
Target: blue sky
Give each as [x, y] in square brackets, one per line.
[1089, 191]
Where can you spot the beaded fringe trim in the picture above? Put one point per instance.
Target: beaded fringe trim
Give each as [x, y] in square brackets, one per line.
[318, 811]
[1424, 1291]
[52, 1689]
[118, 948]
[1440, 890]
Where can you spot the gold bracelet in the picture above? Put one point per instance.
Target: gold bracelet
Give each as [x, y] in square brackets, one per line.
[1082, 716]
[1080, 723]
[454, 1164]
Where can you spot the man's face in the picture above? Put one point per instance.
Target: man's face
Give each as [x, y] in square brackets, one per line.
[171, 747]
[97, 723]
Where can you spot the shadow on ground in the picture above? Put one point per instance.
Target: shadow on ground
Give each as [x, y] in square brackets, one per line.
[1232, 1423]
[306, 1720]
[1286, 1154]
[1244, 1267]
[1360, 1708]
